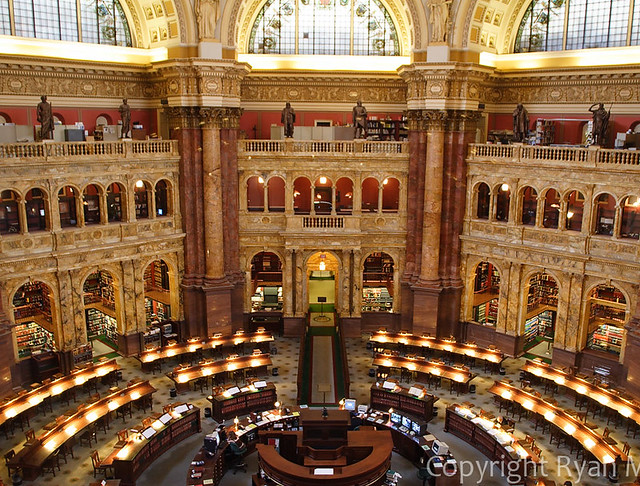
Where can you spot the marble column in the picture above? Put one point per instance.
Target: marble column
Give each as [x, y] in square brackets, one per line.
[72, 327]
[287, 282]
[22, 216]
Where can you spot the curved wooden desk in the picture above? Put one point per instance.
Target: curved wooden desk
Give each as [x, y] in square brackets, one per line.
[375, 446]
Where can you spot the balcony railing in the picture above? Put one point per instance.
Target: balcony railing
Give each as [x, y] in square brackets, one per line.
[322, 222]
[64, 150]
[322, 146]
[594, 157]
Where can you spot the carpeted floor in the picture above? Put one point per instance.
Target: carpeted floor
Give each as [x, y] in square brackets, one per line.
[171, 469]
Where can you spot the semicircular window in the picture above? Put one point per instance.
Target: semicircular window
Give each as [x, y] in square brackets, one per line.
[555, 25]
[97, 22]
[330, 27]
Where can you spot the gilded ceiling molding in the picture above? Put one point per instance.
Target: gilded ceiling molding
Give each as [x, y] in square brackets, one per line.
[313, 88]
[467, 22]
[181, 14]
[465, 82]
[515, 15]
[133, 12]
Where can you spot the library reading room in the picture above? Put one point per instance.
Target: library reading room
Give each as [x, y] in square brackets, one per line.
[320, 242]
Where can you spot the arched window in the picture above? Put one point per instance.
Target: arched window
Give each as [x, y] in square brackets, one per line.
[370, 194]
[163, 198]
[275, 193]
[67, 207]
[484, 195]
[575, 209]
[589, 23]
[36, 210]
[390, 195]
[322, 196]
[529, 206]
[344, 196]
[551, 209]
[91, 203]
[141, 199]
[115, 202]
[630, 227]
[605, 214]
[101, 21]
[302, 196]
[502, 202]
[255, 193]
[9, 220]
[338, 27]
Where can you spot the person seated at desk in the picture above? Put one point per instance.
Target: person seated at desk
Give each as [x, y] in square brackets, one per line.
[238, 450]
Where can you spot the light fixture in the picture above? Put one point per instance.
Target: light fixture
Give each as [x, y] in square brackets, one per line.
[323, 180]
[385, 182]
[318, 196]
[504, 187]
[296, 193]
[569, 214]
[322, 266]
[260, 180]
[139, 183]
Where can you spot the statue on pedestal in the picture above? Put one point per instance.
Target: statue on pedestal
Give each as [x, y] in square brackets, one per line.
[207, 12]
[359, 120]
[520, 123]
[125, 116]
[439, 19]
[600, 124]
[288, 118]
[45, 117]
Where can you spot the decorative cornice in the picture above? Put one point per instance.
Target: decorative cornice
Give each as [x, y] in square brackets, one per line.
[438, 120]
[221, 117]
[183, 116]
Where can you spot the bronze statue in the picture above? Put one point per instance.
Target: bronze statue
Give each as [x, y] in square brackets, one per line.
[288, 118]
[520, 123]
[45, 117]
[359, 120]
[125, 115]
[600, 124]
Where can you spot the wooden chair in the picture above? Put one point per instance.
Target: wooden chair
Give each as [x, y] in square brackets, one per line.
[123, 411]
[7, 460]
[98, 467]
[66, 449]
[607, 439]
[123, 435]
[88, 437]
[626, 448]
[51, 463]
[30, 435]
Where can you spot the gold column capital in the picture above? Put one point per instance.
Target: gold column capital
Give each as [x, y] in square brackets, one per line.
[442, 120]
[217, 117]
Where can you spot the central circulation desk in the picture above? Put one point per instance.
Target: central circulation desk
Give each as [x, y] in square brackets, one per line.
[144, 447]
[498, 445]
[248, 399]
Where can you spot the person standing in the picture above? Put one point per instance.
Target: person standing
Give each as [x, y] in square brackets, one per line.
[45, 117]
[359, 120]
[288, 118]
[520, 123]
[125, 116]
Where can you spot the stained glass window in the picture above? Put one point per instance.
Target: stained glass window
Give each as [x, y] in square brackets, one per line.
[332, 27]
[589, 23]
[102, 21]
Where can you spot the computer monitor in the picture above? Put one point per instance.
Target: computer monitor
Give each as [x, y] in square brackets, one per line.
[406, 422]
[418, 428]
[350, 404]
[211, 442]
[396, 417]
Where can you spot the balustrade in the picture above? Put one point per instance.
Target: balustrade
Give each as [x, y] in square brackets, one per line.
[56, 150]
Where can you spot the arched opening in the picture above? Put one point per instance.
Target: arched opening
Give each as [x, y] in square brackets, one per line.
[275, 192]
[370, 188]
[100, 312]
[575, 209]
[255, 193]
[551, 209]
[36, 210]
[266, 282]
[607, 316]
[32, 313]
[377, 283]
[605, 214]
[502, 202]
[163, 198]
[322, 271]
[486, 294]
[91, 204]
[630, 224]
[9, 218]
[302, 196]
[483, 201]
[344, 196]
[540, 319]
[529, 206]
[390, 195]
[141, 199]
[157, 292]
[115, 202]
[322, 203]
[67, 207]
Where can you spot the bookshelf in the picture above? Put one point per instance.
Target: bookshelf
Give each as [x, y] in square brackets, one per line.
[32, 300]
[545, 132]
[387, 129]
[487, 312]
[606, 337]
[376, 299]
[31, 337]
[82, 355]
[401, 400]
[245, 402]
[543, 291]
[101, 324]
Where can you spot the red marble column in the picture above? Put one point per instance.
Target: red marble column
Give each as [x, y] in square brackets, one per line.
[631, 351]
